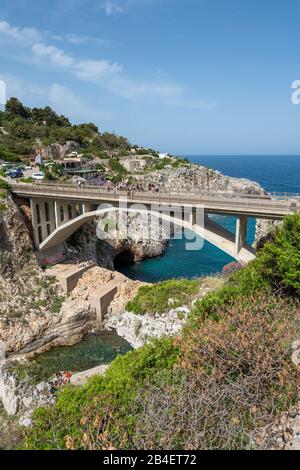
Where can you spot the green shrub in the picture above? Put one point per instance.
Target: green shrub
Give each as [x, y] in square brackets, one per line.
[4, 185]
[234, 377]
[117, 167]
[98, 412]
[241, 284]
[279, 260]
[57, 304]
[156, 298]
[26, 180]
[3, 208]
[99, 167]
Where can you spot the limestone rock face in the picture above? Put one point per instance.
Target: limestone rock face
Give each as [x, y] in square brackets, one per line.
[8, 395]
[86, 245]
[57, 151]
[199, 178]
[138, 330]
[264, 230]
[27, 318]
[21, 398]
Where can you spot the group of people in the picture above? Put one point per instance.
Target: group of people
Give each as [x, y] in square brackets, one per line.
[61, 378]
[126, 187]
[132, 188]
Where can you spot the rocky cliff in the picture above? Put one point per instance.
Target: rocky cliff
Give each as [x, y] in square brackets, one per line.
[34, 311]
[86, 245]
[57, 151]
[192, 177]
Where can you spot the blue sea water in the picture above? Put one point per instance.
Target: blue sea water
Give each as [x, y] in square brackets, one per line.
[275, 173]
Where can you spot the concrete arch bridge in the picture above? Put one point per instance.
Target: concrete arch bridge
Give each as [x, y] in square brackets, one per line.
[59, 210]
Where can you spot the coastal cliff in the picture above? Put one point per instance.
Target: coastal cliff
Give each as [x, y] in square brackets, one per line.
[34, 311]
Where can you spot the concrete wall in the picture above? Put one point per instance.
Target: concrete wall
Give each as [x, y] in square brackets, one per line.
[68, 277]
[102, 298]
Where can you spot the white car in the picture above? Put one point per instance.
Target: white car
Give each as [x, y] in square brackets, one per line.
[38, 176]
[28, 168]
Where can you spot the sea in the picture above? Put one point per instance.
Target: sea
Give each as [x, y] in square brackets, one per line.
[280, 173]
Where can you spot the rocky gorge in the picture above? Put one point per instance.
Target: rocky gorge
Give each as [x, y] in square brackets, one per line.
[35, 313]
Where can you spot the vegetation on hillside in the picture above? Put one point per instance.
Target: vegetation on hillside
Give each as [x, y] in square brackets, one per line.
[4, 186]
[229, 374]
[117, 169]
[22, 129]
[159, 298]
[169, 162]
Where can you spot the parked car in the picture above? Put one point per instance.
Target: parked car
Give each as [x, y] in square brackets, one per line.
[6, 165]
[15, 174]
[28, 168]
[38, 176]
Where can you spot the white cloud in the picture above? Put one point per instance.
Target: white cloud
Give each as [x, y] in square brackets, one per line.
[61, 98]
[115, 7]
[105, 73]
[112, 8]
[25, 36]
[146, 90]
[94, 70]
[78, 40]
[89, 70]
[30, 36]
[53, 54]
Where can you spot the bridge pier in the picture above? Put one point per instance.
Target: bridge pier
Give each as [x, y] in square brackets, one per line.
[241, 233]
[48, 215]
[43, 219]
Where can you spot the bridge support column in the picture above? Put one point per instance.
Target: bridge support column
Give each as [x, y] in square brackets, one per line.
[34, 222]
[43, 219]
[193, 217]
[56, 214]
[241, 233]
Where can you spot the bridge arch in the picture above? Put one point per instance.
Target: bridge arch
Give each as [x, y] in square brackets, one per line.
[212, 232]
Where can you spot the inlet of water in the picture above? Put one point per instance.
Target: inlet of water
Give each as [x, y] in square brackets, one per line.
[94, 350]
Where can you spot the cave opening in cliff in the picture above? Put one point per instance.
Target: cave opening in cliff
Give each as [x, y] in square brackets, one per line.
[126, 258]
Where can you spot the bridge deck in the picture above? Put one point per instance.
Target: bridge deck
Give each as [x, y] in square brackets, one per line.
[260, 206]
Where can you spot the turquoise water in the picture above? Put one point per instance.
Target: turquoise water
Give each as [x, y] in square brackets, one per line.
[274, 173]
[94, 350]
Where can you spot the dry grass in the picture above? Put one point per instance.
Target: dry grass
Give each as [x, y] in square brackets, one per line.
[235, 376]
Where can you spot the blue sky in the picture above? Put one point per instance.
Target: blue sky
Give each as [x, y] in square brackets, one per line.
[183, 76]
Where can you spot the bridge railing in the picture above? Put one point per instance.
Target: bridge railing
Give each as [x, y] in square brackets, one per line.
[236, 200]
[228, 194]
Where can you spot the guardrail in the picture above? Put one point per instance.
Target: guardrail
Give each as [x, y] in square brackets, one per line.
[66, 187]
[236, 200]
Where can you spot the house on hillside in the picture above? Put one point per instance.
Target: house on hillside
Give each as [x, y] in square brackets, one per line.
[78, 165]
